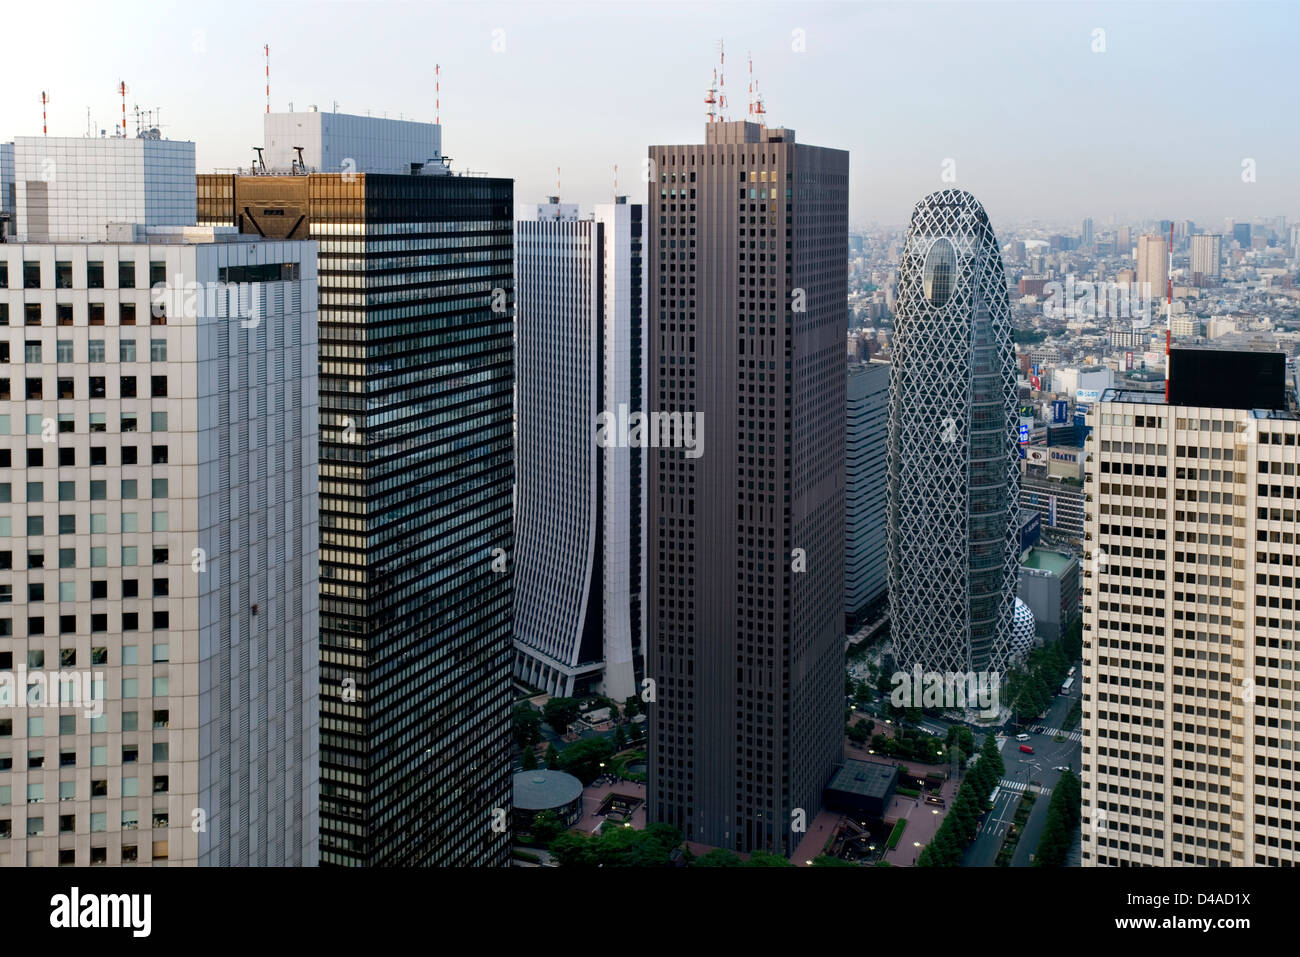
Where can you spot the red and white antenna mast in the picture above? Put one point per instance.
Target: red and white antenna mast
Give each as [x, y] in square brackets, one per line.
[437, 92]
[1169, 309]
[121, 88]
[44, 100]
[266, 53]
[756, 110]
[711, 98]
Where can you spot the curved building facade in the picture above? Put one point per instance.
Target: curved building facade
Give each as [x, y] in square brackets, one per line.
[953, 469]
[579, 562]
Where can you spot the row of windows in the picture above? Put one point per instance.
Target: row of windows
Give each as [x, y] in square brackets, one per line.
[94, 279]
[95, 351]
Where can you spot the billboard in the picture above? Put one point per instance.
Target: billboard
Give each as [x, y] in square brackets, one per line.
[1036, 456]
[1060, 409]
[1087, 395]
[1024, 433]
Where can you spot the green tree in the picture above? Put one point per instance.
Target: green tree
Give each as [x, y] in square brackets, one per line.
[546, 826]
[767, 859]
[560, 713]
[583, 758]
[572, 849]
[826, 860]
[529, 761]
[527, 724]
[632, 707]
[718, 857]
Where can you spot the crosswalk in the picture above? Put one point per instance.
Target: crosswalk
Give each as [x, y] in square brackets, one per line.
[1008, 785]
[1069, 735]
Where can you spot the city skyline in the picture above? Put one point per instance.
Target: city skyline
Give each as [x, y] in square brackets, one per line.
[1028, 153]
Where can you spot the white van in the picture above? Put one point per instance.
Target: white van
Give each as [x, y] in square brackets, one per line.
[1022, 737]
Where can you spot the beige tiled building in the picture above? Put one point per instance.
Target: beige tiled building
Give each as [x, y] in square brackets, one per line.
[1189, 696]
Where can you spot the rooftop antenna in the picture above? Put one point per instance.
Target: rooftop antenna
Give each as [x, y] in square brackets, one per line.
[121, 88]
[135, 107]
[722, 82]
[1169, 310]
[261, 164]
[437, 93]
[90, 127]
[711, 98]
[266, 51]
[45, 98]
[302, 164]
[557, 184]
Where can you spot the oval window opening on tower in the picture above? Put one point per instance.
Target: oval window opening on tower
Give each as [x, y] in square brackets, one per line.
[940, 272]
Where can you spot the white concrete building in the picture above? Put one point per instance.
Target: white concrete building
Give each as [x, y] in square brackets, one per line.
[342, 142]
[579, 566]
[158, 531]
[1190, 627]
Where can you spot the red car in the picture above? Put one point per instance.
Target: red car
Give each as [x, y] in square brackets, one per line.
[1027, 749]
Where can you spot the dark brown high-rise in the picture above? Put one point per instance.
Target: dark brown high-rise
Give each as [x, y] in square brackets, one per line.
[748, 251]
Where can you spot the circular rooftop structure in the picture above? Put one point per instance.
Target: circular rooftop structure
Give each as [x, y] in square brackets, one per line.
[544, 790]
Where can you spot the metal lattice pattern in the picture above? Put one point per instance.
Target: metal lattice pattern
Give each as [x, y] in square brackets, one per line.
[1022, 633]
[953, 470]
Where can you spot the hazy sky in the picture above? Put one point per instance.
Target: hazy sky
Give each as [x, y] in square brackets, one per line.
[1037, 124]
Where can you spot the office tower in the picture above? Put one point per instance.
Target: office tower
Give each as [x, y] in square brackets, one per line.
[1241, 233]
[1085, 235]
[1189, 629]
[1049, 587]
[1295, 241]
[866, 470]
[160, 541]
[1152, 266]
[748, 270]
[1207, 255]
[953, 459]
[1124, 241]
[417, 379]
[579, 579]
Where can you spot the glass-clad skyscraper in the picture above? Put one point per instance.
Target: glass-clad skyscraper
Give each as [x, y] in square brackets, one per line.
[416, 475]
[952, 447]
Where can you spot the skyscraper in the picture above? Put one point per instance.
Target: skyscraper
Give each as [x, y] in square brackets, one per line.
[866, 483]
[158, 545]
[1085, 234]
[1241, 233]
[953, 463]
[1207, 255]
[579, 579]
[747, 276]
[1152, 266]
[417, 381]
[1189, 631]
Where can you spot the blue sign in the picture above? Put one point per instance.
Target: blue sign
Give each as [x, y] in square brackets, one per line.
[1024, 434]
[1060, 409]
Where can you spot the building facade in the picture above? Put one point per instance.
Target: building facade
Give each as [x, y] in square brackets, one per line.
[159, 541]
[866, 470]
[747, 276]
[1207, 256]
[953, 459]
[1152, 266]
[416, 464]
[1189, 636]
[579, 580]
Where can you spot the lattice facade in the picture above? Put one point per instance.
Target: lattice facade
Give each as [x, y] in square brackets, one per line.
[953, 476]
